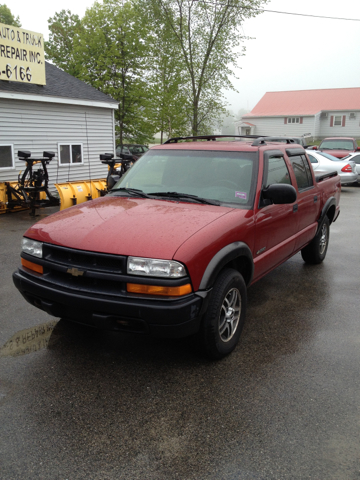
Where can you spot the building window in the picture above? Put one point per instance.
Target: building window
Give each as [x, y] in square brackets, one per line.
[337, 120]
[70, 153]
[293, 120]
[6, 157]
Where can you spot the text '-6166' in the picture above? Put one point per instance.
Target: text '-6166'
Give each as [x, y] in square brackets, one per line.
[17, 73]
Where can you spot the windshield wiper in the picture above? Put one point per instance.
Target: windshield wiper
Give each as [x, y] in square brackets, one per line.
[131, 191]
[185, 195]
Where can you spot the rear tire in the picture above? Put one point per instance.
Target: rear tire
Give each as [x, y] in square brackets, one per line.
[315, 252]
[225, 315]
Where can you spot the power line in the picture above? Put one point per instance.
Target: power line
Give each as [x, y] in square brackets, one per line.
[308, 15]
[283, 13]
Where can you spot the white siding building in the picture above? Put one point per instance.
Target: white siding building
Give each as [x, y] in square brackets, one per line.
[320, 113]
[66, 116]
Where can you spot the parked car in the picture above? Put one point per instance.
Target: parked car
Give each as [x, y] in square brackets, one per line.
[355, 157]
[324, 163]
[303, 140]
[338, 146]
[172, 247]
[131, 150]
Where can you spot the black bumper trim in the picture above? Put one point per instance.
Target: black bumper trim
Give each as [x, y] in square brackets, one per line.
[170, 318]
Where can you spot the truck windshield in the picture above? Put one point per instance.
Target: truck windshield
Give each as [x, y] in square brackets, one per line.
[337, 144]
[225, 177]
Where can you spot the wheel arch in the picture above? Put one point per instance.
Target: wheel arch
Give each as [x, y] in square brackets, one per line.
[329, 210]
[236, 255]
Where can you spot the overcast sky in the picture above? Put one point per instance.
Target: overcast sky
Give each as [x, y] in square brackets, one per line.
[288, 52]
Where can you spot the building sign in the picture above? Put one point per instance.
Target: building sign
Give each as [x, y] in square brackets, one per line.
[21, 55]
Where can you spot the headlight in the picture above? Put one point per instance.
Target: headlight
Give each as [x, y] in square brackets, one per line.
[31, 247]
[155, 268]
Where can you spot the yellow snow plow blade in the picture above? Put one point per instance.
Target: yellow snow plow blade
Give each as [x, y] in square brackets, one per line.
[73, 193]
[4, 208]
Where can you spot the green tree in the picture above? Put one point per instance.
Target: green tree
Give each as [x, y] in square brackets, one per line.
[7, 17]
[112, 51]
[208, 35]
[65, 29]
[169, 105]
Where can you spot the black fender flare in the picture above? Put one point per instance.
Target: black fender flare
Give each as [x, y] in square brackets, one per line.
[330, 202]
[223, 257]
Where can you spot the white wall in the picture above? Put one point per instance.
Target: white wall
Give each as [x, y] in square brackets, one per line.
[317, 126]
[351, 129]
[276, 126]
[38, 126]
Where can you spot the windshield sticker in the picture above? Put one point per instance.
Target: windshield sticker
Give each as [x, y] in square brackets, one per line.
[241, 195]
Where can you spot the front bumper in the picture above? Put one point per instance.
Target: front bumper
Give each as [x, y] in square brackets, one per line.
[171, 318]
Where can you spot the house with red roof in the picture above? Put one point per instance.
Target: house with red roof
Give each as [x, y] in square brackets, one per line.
[320, 113]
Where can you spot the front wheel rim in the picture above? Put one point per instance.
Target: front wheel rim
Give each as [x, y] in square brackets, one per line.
[323, 239]
[230, 315]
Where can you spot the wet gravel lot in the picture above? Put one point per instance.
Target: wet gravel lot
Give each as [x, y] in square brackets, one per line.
[82, 404]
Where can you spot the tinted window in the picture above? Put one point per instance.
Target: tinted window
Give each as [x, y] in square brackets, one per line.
[356, 159]
[276, 172]
[312, 159]
[330, 157]
[302, 172]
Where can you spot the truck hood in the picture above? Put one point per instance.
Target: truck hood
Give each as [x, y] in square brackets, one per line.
[335, 153]
[126, 226]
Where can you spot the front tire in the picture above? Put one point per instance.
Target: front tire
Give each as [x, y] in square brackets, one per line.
[315, 252]
[225, 315]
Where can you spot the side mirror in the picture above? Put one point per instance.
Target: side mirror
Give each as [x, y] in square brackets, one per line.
[358, 149]
[280, 193]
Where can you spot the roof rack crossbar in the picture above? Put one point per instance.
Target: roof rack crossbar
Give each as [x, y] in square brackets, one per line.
[207, 137]
[262, 140]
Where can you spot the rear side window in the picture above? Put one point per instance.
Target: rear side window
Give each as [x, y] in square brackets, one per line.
[312, 159]
[356, 159]
[276, 172]
[302, 172]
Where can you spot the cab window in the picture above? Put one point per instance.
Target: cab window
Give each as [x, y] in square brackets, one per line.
[302, 172]
[276, 172]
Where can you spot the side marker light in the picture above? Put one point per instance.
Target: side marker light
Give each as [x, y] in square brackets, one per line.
[159, 290]
[32, 266]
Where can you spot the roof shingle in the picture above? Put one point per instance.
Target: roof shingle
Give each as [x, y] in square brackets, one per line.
[58, 84]
[306, 102]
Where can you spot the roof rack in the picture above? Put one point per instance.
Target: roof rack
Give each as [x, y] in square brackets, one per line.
[263, 140]
[208, 138]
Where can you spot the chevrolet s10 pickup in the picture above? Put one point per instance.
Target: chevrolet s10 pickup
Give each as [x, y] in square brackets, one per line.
[171, 249]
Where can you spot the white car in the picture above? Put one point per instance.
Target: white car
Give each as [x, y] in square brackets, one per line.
[324, 163]
[355, 157]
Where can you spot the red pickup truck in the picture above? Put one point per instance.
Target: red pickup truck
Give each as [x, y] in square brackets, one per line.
[173, 246]
[338, 147]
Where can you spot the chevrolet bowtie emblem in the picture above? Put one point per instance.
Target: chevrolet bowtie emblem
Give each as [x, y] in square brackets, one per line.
[75, 272]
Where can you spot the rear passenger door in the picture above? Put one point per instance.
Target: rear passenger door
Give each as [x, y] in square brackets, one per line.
[276, 225]
[308, 204]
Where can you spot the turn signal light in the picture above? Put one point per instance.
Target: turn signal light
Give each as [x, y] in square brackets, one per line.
[347, 168]
[159, 290]
[32, 266]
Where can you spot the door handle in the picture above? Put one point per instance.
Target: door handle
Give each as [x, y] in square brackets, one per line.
[295, 207]
[315, 198]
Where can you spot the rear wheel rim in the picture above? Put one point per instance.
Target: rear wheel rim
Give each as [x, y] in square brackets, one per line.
[230, 315]
[323, 239]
